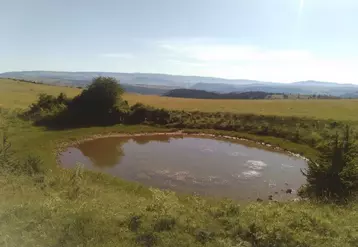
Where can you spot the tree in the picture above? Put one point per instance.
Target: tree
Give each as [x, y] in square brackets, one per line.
[100, 103]
[335, 174]
[100, 96]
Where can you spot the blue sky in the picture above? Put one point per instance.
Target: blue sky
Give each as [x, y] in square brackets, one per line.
[271, 40]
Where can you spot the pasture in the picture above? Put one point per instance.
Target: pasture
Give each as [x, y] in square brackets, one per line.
[15, 94]
[344, 110]
[58, 207]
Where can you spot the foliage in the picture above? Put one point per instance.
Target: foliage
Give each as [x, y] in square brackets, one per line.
[201, 94]
[335, 174]
[101, 208]
[47, 105]
[83, 112]
[140, 113]
[310, 132]
[81, 208]
[100, 97]
[98, 104]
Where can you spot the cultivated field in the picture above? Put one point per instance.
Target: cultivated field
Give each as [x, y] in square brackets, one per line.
[14, 94]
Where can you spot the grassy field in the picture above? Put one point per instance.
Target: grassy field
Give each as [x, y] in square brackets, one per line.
[15, 94]
[345, 110]
[60, 208]
[92, 209]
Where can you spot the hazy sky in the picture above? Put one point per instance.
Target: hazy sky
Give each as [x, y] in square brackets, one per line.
[272, 40]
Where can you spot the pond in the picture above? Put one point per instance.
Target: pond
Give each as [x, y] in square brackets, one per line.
[192, 164]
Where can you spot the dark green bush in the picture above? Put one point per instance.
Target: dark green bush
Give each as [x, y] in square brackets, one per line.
[140, 113]
[47, 105]
[100, 97]
[98, 104]
[335, 174]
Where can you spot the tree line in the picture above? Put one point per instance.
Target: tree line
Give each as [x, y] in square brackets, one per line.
[202, 94]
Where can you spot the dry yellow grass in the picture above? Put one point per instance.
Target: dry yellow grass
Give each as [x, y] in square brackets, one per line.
[321, 109]
[14, 94]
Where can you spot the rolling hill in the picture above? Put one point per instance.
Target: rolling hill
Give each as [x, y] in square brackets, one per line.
[158, 84]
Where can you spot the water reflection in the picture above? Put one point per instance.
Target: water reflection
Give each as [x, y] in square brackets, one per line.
[192, 164]
[108, 152]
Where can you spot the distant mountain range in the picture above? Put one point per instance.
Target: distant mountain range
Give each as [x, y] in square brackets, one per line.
[161, 83]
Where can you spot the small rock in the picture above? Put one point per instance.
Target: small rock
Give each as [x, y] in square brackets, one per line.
[289, 191]
[259, 200]
[270, 197]
[286, 183]
[276, 192]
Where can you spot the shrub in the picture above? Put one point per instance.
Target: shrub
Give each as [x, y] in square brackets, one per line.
[140, 113]
[100, 97]
[335, 174]
[47, 105]
[98, 104]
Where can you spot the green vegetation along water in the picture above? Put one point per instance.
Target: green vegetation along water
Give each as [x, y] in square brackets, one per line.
[44, 205]
[193, 165]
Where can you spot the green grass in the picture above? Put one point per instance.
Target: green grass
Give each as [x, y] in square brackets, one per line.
[108, 212]
[93, 209]
[99, 210]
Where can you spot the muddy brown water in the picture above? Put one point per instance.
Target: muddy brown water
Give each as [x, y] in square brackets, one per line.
[210, 167]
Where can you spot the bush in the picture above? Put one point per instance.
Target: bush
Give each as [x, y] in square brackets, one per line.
[100, 97]
[140, 113]
[47, 105]
[335, 174]
[98, 104]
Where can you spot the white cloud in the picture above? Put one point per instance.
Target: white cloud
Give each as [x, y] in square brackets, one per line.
[232, 53]
[250, 62]
[118, 55]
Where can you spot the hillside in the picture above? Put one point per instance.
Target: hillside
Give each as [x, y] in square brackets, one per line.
[139, 80]
[15, 94]
[46, 205]
[201, 94]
